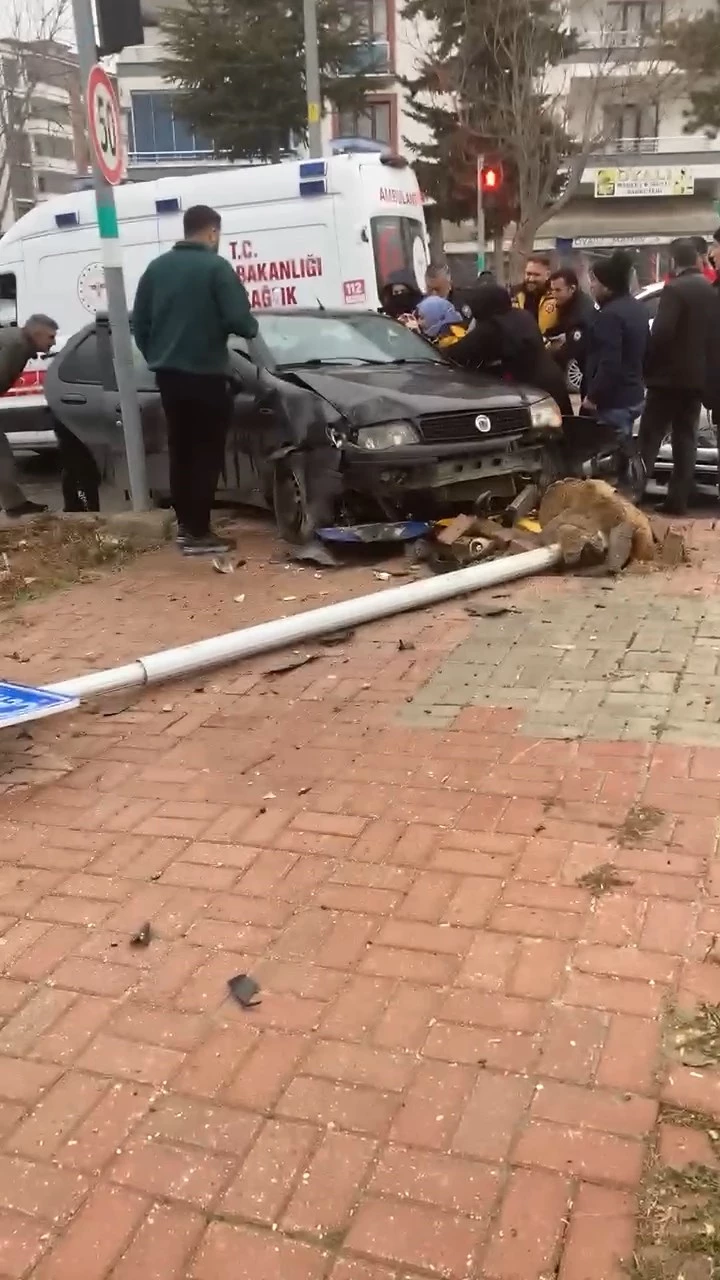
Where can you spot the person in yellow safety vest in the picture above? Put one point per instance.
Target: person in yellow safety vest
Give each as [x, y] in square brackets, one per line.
[439, 322]
[535, 294]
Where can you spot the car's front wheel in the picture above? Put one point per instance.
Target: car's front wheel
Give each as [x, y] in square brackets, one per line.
[290, 501]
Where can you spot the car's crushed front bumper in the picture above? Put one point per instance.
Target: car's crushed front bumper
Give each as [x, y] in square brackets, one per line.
[445, 473]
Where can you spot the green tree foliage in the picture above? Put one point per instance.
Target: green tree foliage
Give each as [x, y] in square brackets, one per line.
[240, 69]
[482, 90]
[694, 45]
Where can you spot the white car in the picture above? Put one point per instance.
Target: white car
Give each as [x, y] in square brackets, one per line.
[706, 462]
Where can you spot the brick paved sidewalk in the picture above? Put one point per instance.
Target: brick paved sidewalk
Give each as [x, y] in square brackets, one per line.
[457, 1067]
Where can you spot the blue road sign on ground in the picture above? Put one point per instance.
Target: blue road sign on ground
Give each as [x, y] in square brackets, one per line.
[19, 703]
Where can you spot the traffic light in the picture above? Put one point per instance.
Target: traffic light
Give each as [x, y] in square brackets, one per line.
[491, 177]
[120, 24]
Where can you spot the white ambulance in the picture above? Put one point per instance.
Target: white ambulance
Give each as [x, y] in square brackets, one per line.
[303, 233]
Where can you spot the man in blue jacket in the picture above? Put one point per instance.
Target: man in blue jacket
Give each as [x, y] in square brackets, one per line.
[188, 303]
[616, 345]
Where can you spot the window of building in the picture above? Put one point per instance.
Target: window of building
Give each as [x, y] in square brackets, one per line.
[374, 121]
[156, 129]
[635, 16]
[47, 109]
[54, 147]
[372, 52]
[52, 183]
[632, 127]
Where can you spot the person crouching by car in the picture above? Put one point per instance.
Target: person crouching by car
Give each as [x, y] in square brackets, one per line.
[439, 322]
[399, 297]
[616, 344]
[507, 341]
[567, 339]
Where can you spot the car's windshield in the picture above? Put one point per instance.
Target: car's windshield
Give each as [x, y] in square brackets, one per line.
[332, 339]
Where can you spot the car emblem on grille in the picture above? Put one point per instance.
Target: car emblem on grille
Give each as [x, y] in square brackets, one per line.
[483, 423]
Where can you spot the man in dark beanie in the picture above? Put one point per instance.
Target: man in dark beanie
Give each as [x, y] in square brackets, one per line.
[616, 344]
[677, 365]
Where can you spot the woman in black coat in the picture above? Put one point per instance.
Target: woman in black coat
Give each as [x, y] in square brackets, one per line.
[508, 342]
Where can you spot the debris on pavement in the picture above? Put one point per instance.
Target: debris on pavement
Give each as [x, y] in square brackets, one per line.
[591, 508]
[602, 879]
[673, 551]
[406, 646]
[244, 989]
[336, 637]
[489, 610]
[221, 564]
[522, 506]
[143, 936]
[291, 664]
[457, 528]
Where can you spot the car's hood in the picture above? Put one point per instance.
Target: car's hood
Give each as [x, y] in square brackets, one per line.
[368, 394]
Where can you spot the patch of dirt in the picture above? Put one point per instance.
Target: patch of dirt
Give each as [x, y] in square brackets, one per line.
[639, 823]
[679, 1225]
[602, 879]
[47, 553]
[693, 1038]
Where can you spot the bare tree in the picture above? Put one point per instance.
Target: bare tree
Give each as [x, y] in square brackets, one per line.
[549, 120]
[31, 34]
[501, 78]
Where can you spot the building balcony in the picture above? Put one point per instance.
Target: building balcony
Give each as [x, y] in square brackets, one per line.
[609, 39]
[697, 147]
[371, 57]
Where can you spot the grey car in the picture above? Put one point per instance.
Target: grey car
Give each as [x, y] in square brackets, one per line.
[398, 430]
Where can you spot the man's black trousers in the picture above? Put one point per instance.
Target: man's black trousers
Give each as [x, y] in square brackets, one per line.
[198, 411]
[673, 411]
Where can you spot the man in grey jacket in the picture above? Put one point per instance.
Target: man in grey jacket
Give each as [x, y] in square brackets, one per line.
[17, 347]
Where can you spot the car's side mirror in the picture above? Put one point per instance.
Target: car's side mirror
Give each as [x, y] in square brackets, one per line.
[105, 352]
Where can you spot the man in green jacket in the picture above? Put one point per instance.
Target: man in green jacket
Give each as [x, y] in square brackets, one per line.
[188, 303]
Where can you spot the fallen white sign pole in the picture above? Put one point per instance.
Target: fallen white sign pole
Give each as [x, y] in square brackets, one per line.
[277, 634]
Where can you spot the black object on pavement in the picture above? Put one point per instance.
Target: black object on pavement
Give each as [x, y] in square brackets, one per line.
[243, 988]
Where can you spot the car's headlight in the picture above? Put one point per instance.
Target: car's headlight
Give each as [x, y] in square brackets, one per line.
[545, 413]
[391, 435]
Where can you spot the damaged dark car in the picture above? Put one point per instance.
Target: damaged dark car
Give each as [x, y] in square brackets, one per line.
[340, 417]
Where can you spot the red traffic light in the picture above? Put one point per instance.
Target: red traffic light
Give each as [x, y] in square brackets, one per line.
[491, 176]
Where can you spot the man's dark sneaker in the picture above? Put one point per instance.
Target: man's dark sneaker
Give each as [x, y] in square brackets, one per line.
[26, 509]
[209, 544]
[181, 536]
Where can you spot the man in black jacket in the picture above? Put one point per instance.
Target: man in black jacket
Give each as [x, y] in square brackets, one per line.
[616, 345]
[676, 372]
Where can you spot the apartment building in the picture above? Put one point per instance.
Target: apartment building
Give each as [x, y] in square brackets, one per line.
[43, 145]
[159, 140]
[648, 181]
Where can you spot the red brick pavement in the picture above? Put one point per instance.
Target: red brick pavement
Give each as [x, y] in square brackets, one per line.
[456, 1065]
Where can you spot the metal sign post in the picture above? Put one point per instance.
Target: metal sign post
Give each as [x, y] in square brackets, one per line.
[313, 91]
[104, 124]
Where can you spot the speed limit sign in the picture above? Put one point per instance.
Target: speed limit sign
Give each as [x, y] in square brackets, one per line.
[104, 125]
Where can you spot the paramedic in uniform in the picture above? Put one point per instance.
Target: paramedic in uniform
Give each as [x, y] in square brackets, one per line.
[188, 303]
[17, 347]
